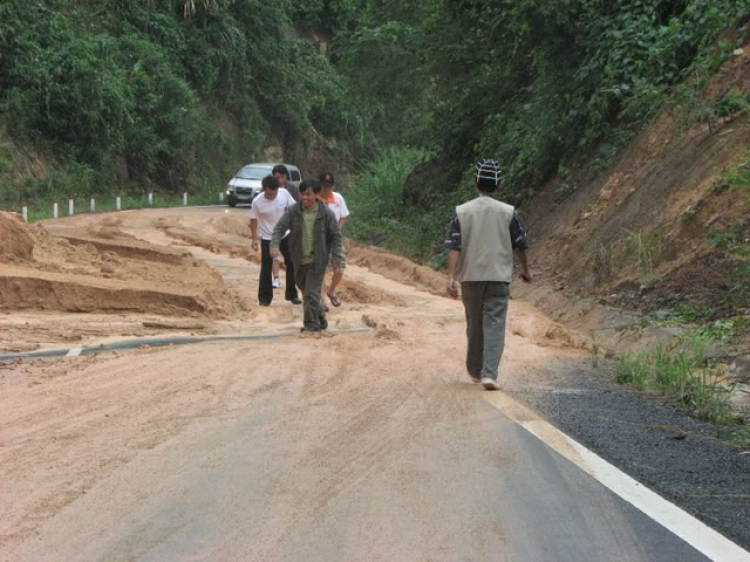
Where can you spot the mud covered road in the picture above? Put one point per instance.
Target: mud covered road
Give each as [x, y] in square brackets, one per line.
[367, 443]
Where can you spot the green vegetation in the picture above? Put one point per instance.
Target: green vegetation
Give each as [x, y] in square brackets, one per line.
[168, 93]
[682, 376]
[382, 219]
[731, 238]
[535, 84]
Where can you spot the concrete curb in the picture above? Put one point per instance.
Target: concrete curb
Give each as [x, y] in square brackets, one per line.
[129, 345]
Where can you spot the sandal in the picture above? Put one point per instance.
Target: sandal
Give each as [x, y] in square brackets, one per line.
[334, 298]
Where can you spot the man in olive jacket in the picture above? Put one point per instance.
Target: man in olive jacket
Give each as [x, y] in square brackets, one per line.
[313, 234]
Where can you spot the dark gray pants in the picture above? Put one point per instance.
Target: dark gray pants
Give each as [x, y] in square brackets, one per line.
[486, 305]
[310, 282]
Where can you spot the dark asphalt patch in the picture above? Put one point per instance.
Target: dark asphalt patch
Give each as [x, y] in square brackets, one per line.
[657, 444]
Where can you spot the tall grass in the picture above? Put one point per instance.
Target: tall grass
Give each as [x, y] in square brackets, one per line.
[380, 217]
[379, 189]
[683, 376]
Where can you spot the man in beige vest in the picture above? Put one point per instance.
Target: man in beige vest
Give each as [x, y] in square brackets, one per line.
[482, 237]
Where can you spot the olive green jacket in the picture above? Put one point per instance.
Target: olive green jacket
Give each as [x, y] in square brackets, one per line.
[326, 236]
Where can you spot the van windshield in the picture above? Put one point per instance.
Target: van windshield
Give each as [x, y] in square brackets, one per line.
[253, 173]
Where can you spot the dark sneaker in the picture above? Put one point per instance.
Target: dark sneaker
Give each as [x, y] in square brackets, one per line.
[306, 329]
[264, 303]
[324, 324]
[490, 384]
[295, 301]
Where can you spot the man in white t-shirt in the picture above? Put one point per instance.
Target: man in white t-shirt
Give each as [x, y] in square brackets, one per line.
[334, 201]
[268, 207]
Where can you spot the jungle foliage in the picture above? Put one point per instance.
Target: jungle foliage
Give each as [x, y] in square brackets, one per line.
[163, 92]
[538, 83]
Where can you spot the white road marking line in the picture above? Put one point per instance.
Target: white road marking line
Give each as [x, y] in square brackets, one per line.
[74, 352]
[698, 535]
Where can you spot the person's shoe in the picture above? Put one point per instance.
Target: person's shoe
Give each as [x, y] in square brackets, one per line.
[295, 300]
[324, 324]
[306, 329]
[264, 303]
[475, 380]
[490, 384]
[276, 282]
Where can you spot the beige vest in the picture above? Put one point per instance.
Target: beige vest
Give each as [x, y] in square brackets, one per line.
[486, 249]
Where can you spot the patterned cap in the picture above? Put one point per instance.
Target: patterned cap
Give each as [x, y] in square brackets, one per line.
[490, 170]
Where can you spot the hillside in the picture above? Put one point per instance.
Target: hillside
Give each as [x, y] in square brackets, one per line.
[667, 227]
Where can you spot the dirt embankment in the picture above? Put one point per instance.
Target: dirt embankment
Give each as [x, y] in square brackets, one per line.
[639, 237]
[82, 273]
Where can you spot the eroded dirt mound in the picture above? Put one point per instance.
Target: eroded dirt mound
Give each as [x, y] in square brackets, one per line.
[235, 244]
[16, 240]
[352, 291]
[24, 289]
[79, 274]
[397, 268]
[109, 229]
[663, 230]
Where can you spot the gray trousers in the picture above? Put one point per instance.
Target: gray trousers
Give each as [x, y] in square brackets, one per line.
[486, 305]
[310, 282]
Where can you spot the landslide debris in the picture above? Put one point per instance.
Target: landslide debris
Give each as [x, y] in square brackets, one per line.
[77, 273]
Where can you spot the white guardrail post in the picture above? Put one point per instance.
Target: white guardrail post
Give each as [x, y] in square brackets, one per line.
[221, 196]
[71, 206]
[55, 210]
[92, 205]
[184, 199]
[25, 212]
[150, 197]
[118, 203]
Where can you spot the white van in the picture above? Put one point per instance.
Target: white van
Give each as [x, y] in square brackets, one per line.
[245, 184]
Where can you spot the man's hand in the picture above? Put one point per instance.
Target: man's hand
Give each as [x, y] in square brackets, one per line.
[275, 253]
[453, 288]
[254, 245]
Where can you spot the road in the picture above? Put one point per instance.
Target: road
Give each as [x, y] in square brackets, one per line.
[345, 446]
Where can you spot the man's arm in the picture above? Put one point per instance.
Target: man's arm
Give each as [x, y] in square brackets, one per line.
[279, 230]
[453, 245]
[453, 257]
[520, 243]
[523, 260]
[334, 237]
[254, 233]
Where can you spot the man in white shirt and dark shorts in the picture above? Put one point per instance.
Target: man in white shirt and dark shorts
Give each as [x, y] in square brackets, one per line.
[268, 207]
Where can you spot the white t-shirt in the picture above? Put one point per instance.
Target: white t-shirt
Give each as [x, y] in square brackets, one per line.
[338, 206]
[269, 211]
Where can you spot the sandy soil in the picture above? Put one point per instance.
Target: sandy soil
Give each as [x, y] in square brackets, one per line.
[69, 427]
[92, 279]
